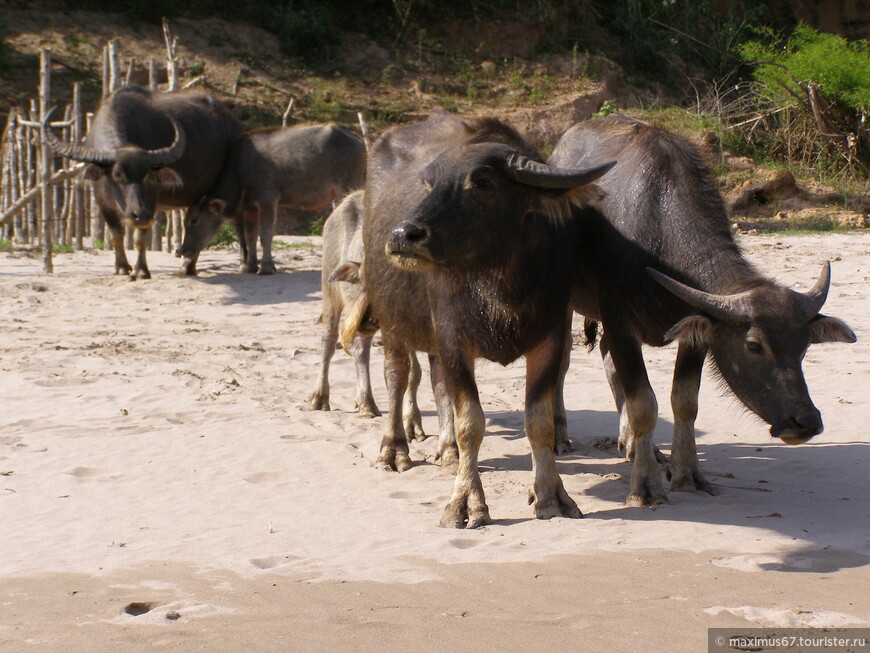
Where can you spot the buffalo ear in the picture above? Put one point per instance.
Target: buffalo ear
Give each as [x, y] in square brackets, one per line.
[693, 330]
[830, 329]
[94, 172]
[216, 206]
[559, 203]
[347, 271]
[168, 178]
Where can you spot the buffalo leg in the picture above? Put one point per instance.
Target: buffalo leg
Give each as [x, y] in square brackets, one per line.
[641, 411]
[361, 351]
[563, 442]
[625, 440]
[394, 453]
[448, 451]
[320, 397]
[683, 470]
[116, 237]
[413, 417]
[467, 506]
[141, 238]
[251, 223]
[543, 367]
[268, 217]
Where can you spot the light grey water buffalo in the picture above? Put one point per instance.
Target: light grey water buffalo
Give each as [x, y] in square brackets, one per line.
[469, 253]
[659, 264]
[148, 152]
[307, 167]
[346, 311]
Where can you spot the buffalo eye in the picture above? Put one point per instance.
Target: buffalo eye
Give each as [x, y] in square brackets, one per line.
[754, 347]
[194, 220]
[482, 183]
[118, 175]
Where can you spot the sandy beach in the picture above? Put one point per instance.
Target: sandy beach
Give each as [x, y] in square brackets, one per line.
[163, 485]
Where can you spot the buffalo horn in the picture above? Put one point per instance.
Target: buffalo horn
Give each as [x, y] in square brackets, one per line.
[724, 307]
[74, 151]
[815, 298]
[541, 175]
[166, 155]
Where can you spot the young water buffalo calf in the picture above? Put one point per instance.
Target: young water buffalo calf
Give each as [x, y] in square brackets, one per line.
[469, 253]
[306, 167]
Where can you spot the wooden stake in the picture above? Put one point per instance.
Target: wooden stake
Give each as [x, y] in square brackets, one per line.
[46, 160]
[287, 112]
[171, 58]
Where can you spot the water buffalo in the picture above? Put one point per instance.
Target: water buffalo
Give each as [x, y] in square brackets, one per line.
[344, 295]
[307, 167]
[663, 266]
[135, 137]
[468, 241]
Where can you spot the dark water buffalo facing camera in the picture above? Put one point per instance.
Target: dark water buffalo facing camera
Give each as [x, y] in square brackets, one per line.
[149, 152]
[469, 243]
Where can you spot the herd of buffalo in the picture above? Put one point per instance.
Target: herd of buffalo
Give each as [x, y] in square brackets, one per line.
[459, 240]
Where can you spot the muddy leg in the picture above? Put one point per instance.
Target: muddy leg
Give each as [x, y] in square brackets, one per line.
[320, 397]
[543, 372]
[683, 470]
[116, 237]
[394, 445]
[413, 418]
[268, 216]
[641, 411]
[251, 227]
[448, 451]
[563, 442]
[467, 506]
[361, 350]
[141, 238]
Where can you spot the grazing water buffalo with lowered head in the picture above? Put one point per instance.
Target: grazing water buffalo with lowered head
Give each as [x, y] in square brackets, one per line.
[346, 312]
[148, 152]
[307, 167]
[659, 264]
[469, 254]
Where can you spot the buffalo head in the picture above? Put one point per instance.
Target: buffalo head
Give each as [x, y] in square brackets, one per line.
[475, 196]
[758, 339]
[202, 221]
[132, 175]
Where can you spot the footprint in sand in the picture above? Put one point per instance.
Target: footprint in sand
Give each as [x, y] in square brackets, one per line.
[258, 478]
[462, 543]
[85, 473]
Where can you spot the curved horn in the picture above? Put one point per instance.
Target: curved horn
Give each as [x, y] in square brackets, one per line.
[815, 298]
[166, 155]
[542, 175]
[74, 151]
[723, 307]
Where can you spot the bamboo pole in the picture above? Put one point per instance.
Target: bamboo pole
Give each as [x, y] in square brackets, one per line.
[171, 56]
[129, 76]
[152, 75]
[287, 112]
[32, 164]
[78, 190]
[105, 70]
[46, 160]
[115, 81]
[364, 127]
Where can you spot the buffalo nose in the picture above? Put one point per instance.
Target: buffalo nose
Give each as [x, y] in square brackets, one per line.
[810, 423]
[411, 232]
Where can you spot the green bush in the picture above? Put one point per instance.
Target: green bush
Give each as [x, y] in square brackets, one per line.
[226, 237]
[841, 67]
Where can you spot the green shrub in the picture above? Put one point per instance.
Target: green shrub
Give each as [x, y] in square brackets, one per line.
[841, 67]
[226, 236]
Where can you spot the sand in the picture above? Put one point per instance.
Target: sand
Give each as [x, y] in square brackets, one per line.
[157, 456]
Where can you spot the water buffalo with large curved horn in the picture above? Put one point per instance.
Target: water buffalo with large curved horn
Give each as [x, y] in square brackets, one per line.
[660, 264]
[469, 254]
[147, 152]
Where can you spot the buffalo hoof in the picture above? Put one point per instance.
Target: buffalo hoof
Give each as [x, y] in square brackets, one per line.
[449, 459]
[646, 494]
[267, 269]
[688, 480]
[457, 515]
[414, 428]
[318, 402]
[368, 409]
[244, 268]
[394, 461]
[558, 504]
[563, 445]
[123, 270]
[140, 274]
[186, 270]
